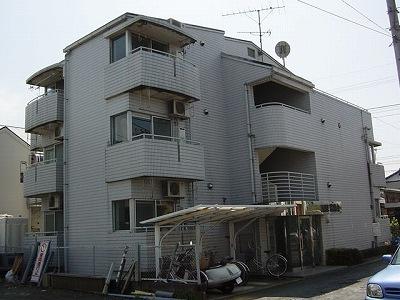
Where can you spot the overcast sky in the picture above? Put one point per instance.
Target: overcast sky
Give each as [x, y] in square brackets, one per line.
[349, 61]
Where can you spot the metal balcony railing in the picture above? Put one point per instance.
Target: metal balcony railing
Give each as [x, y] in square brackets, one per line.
[288, 186]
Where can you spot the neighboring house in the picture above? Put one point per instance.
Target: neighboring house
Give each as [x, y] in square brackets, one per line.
[147, 116]
[392, 195]
[14, 153]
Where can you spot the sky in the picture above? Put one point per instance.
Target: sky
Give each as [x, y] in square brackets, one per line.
[350, 61]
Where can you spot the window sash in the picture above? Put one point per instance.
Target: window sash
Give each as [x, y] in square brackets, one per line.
[119, 128]
[121, 215]
[118, 48]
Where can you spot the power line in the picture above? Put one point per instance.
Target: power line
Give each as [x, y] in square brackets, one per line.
[384, 29]
[352, 72]
[364, 84]
[391, 125]
[383, 106]
[343, 18]
[11, 126]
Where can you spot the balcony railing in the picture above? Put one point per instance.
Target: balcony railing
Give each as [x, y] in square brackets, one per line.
[281, 125]
[145, 67]
[283, 105]
[43, 177]
[149, 155]
[288, 186]
[44, 109]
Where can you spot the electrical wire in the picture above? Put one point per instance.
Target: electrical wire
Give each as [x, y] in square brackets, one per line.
[345, 19]
[391, 125]
[11, 126]
[363, 84]
[369, 19]
[383, 106]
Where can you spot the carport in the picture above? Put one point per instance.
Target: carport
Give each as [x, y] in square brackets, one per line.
[209, 214]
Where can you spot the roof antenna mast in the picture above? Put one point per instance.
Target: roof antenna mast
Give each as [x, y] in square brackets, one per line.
[258, 21]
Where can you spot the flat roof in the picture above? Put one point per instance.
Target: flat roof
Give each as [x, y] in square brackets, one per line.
[217, 213]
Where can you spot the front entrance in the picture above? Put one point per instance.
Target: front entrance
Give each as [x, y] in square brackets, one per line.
[299, 239]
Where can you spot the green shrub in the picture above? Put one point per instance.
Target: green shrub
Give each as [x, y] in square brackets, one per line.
[394, 227]
[343, 256]
[378, 251]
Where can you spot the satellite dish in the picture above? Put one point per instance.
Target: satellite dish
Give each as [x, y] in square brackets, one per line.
[282, 49]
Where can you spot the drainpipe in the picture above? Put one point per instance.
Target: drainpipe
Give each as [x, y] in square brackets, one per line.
[250, 136]
[371, 191]
[65, 180]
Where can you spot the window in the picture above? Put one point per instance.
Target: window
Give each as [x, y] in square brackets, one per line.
[153, 125]
[140, 126]
[53, 221]
[118, 48]
[161, 126]
[150, 209]
[251, 52]
[121, 215]
[159, 46]
[118, 128]
[49, 154]
[140, 41]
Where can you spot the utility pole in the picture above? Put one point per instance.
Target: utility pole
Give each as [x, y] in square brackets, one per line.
[395, 30]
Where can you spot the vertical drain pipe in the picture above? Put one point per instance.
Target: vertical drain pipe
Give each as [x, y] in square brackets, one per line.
[250, 143]
[65, 181]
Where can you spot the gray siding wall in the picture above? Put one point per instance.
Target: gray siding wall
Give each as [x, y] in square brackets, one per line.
[339, 153]
[48, 108]
[49, 179]
[154, 157]
[151, 69]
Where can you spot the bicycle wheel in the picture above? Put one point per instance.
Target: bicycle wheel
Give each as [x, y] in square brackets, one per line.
[276, 265]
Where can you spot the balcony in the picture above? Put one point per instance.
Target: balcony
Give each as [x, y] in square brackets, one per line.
[279, 125]
[40, 141]
[43, 178]
[288, 186]
[377, 173]
[146, 67]
[45, 109]
[159, 156]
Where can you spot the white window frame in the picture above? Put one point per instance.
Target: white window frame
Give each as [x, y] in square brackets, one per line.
[131, 215]
[155, 203]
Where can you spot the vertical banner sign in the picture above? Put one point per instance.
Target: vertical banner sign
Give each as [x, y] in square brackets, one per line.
[40, 260]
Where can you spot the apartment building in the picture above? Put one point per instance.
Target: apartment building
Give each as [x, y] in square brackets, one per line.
[147, 116]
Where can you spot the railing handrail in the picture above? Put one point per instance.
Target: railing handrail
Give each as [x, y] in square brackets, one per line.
[43, 233]
[43, 162]
[285, 172]
[45, 94]
[163, 137]
[151, 50]
[282, 104]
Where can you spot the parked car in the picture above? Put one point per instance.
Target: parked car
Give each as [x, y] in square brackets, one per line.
[386, 283]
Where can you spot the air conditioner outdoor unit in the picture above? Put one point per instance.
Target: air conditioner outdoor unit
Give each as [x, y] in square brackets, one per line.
[177, 109]
[174, 189]
[54, 202]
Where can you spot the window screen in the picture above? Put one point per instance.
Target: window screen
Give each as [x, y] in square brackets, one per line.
[121, 215]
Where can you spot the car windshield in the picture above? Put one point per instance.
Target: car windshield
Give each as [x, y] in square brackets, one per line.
[396, 258]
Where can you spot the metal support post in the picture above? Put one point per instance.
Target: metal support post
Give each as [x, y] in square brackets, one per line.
[232, 241]
[157, 248]
[395, 30]
[198, 251]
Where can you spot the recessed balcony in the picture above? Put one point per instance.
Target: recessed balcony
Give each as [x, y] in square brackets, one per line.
[150, 155]
[43, 178]
[279, 125]
[288, 186]
[43, 110]
[146, 67]
[38, 141]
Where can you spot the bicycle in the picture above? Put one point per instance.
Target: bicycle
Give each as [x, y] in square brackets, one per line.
[275, 266]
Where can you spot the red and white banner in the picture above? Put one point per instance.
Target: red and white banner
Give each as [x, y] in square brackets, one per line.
[40, 260]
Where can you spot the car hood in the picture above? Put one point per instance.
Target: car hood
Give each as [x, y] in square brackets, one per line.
[388, 276]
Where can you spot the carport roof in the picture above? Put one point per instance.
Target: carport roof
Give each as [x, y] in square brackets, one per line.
[202, 214]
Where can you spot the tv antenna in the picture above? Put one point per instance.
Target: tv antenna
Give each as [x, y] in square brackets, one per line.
[258, 21]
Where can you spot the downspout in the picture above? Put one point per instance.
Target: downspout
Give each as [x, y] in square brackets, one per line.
[250, 136]
[65, 179]
[371, 191]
